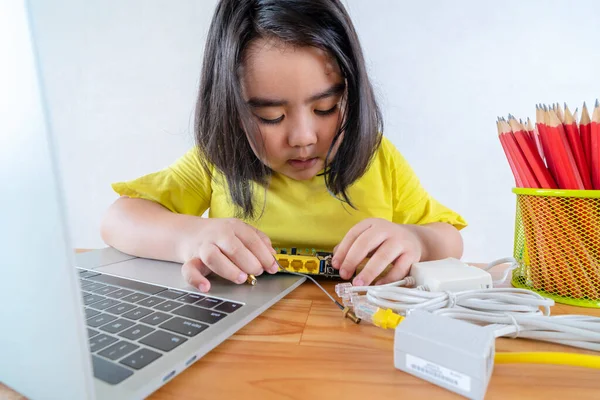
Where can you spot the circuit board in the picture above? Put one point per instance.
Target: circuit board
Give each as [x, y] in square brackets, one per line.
[313, 262]
[306, 261]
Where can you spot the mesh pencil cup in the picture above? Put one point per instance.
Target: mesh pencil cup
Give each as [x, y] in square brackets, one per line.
[557, 244]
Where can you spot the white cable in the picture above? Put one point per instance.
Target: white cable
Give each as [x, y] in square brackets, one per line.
[513, 265]
[494, 300]
[510, 312]
[407, 281]
[573, 330]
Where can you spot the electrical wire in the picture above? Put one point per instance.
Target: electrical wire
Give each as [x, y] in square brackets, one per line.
[504, 300]
[509, 312]
[316, 283]
[575, 331]
[513, 265]
[407, 281]
[556, 358]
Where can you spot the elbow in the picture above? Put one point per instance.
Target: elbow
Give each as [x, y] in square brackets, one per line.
[105, 231]
[448, 241]
[106, 228]
[108, 225]
[460, 245]
[456, 243]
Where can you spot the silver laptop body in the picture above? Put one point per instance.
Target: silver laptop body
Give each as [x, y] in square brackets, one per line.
[102, 324]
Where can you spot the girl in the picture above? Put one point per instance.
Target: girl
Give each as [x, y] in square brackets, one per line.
[289, 154]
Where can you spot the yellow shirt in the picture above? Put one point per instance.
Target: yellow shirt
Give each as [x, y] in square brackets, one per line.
[299, 213]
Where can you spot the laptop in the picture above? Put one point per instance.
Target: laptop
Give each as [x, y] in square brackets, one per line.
[102, 324]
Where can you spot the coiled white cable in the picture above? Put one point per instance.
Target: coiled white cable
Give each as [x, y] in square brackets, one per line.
[573, 330]
[509, 312]
[500, 300]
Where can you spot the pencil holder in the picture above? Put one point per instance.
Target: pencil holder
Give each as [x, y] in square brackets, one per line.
[557, 244]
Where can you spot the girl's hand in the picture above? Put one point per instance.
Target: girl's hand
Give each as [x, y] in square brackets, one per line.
[386, 243]
[226, 246]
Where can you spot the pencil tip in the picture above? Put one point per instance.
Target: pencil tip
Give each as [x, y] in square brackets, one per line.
[584, 106]
[597, 103]
[566, 105]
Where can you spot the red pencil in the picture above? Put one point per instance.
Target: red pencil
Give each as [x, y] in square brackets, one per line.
[559, 112]
[545, 141]
[509, 157]
[595, 148]
[569, 177]
[573, 137]
[525, 172]
[585, 134]
[535, 134]
[527, 146]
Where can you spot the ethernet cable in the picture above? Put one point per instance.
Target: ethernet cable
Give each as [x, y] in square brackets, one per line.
[580, 331]
[509, 312]
[556, 358]
[401, 299]
[577, 328]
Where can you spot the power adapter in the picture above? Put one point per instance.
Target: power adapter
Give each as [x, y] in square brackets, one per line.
[450, 353]
[449, 274]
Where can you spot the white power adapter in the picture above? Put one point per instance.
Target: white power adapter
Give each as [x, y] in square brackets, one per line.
[449, 274]
[450, 353]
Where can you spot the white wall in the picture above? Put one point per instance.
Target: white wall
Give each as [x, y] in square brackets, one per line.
[122, 77]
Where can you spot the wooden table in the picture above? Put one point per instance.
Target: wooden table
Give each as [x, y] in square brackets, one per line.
[302, 348]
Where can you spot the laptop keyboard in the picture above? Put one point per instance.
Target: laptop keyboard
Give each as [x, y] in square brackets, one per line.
[131, 324]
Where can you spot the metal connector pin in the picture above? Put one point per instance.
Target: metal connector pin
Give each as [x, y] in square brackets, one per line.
[348, 313]
[251, 280]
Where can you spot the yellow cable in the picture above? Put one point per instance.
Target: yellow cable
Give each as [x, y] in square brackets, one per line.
[579, 360]
[386, 318]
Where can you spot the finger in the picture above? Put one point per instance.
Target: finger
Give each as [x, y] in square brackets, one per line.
[192, 273]
[386, 254]
[220, 264]
[366, 243]
[259, 245]
[240, 255]
[341, 250]
[398, 271]
[266, 240]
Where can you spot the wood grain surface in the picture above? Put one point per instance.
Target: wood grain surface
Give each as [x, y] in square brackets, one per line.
[302, 348]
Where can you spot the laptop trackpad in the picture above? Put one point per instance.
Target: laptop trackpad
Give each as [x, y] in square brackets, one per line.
[169, 274]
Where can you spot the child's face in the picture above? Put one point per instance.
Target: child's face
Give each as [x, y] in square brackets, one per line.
[295, 94]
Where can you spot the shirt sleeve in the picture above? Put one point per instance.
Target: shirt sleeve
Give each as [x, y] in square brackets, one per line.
[184, 187]
[412, 203]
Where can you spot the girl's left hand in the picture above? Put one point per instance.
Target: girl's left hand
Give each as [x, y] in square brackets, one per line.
[386, 243]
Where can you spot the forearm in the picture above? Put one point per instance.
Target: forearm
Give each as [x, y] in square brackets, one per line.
[145, 229]
[439, 240]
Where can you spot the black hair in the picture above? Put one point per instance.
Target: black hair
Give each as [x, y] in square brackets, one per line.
[223, 118]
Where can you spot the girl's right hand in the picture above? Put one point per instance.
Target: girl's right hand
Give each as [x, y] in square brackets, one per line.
[226, 246]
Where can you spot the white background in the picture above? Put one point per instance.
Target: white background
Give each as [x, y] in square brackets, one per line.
[121, 79]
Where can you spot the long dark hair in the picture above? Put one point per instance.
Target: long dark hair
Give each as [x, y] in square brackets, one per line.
[223, 117]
